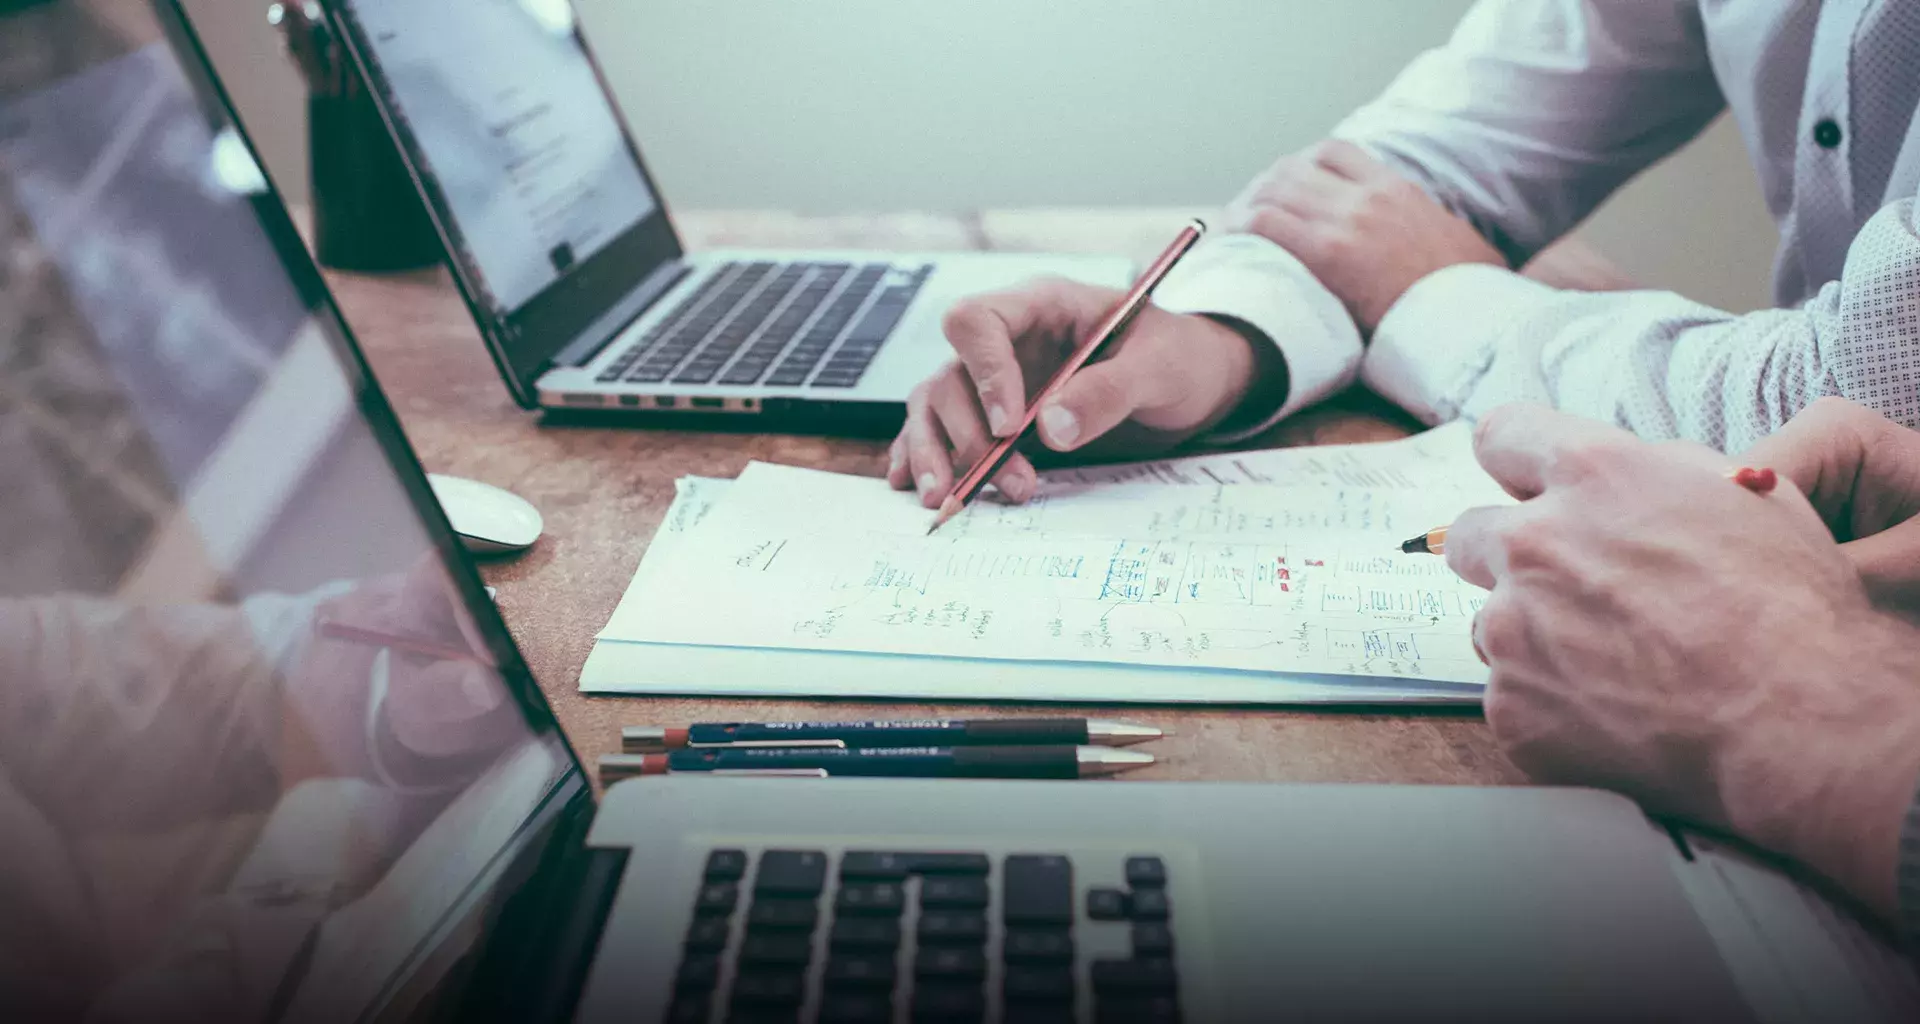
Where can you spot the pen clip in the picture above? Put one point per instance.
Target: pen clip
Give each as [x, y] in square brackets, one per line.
[743, 744]
[798, 773]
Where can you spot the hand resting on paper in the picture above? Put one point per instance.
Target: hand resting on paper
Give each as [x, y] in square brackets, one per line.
[1170, 378]
[1714, 653]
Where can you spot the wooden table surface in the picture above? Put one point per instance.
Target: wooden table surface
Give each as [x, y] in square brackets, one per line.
[603, 491]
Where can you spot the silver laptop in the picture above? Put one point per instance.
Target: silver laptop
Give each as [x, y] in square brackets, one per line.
[570, 262]
[272, 755]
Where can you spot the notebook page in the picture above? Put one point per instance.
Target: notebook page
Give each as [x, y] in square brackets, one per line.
[1292, 579]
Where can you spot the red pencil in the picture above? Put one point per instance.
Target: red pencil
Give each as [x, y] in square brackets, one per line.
[1110, 329]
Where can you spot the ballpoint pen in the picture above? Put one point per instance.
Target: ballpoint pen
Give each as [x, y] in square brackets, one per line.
[1110, 329]
[1050, 762]
[943, 732]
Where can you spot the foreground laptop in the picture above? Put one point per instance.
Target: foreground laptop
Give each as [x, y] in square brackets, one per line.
[268, 753]
[571, 265]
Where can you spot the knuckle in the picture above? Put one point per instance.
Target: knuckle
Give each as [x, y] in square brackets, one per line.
[1501, 631]
[966, 323]
[1529, 546]
[1593, 459]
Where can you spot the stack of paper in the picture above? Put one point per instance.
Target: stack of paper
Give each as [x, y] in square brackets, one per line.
[1271, 577]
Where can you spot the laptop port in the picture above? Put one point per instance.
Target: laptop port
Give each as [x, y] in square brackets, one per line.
[709, 403]
[663, 401]
[629, 399]
[746, 403]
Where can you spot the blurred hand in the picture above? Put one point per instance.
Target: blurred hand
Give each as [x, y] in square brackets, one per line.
[1366, 232]
[1168, 379]
[440, 713]
[1656, 629]
[1862, 473]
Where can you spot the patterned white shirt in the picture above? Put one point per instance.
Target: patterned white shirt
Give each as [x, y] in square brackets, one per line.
[1532, 114]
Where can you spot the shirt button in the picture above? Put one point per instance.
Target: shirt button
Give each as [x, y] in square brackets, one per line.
[1827, 133]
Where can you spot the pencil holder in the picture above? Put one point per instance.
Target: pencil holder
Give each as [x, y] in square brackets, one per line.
[366, 214]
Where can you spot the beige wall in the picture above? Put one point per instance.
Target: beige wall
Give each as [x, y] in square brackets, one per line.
[912, 104]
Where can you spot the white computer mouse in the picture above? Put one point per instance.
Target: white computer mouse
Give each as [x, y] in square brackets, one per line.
[488, 519]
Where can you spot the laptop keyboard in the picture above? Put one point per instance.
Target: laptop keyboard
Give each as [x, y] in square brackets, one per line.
[909, 936]
[776, 324]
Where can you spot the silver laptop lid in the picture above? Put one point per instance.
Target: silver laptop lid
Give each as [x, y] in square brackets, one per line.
[264, 743]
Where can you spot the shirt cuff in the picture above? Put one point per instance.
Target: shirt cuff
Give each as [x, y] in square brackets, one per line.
[1250, 279]
[1436, 343]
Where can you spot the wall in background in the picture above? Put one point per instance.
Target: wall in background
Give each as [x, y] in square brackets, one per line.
[908, 104]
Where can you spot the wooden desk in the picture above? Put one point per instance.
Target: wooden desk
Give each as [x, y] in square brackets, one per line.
[604, 491]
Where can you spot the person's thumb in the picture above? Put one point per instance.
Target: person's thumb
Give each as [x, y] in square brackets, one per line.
[1097, 399]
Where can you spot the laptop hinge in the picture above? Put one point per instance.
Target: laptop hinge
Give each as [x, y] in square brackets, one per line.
[603, 331]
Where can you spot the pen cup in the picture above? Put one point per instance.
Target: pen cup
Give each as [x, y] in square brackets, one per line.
[366, 214]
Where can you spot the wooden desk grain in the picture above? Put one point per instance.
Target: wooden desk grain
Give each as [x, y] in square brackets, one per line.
[603, 491]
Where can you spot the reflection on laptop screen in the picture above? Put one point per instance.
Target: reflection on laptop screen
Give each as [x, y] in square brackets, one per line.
[255, 761]
[510, 121]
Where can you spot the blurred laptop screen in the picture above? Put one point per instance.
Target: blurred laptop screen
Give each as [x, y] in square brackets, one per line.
[255, 760]
[508, 118]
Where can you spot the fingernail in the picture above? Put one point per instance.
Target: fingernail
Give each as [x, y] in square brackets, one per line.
[998, 420]
[1062, 429]
[894, 461]
[928, 482]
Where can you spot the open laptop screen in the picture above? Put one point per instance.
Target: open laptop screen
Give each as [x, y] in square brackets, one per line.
[544, 206]
[511, 122]
[264, 744]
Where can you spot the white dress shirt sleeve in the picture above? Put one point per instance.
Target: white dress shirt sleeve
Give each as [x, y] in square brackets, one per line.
[1536, 110]
[1469, 338]
[1251, 280]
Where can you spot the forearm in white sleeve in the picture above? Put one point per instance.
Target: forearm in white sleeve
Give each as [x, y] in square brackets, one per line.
[1536, 110]
[1250, 280]
[1469, 338]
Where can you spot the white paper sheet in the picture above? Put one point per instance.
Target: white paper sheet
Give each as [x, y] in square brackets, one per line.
[1265, 579]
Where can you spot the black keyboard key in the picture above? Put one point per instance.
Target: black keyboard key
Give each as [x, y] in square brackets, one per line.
[1151, 975]
[835, 379]
[878, 899]
[856, 1008]
[864, 933]
[948, 1003]
[778, 987]
[860, 970]
[1106, 904]
[716, 898]
[708, 933]
[791, 873]
[792, 949]
[950, 863]
[726, 865]
[699, 971]
[1151, 939]
[870, 864]
[1037, 890]
[1149, 1010]
[753, 1013]
[961, 892]
[690, 1008]
[1047, 1011]
[1150, 905]
[783, 915]
[1023, 982]
[880, 866]
[1037, 946]
[955, 927]
[949, 962]
[1146, 873]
